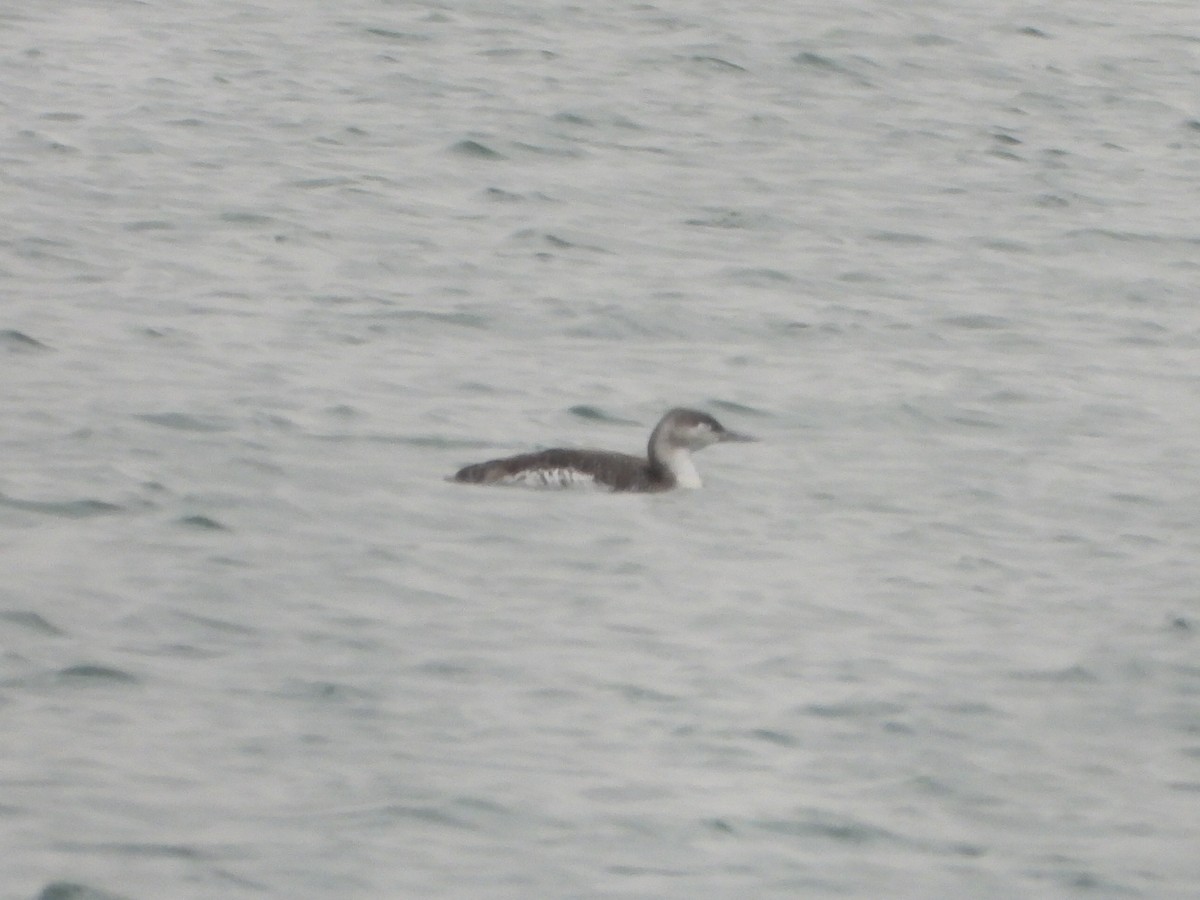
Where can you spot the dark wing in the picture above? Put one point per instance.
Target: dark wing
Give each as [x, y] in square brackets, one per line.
[560, 468]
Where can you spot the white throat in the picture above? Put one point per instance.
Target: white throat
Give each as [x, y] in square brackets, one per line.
[679, 462]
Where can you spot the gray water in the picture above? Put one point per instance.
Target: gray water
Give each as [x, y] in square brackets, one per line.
[272, 270]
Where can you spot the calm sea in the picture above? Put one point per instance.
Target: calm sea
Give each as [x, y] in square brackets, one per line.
[271, 270]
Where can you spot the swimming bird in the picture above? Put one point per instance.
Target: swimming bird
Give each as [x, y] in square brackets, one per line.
[668, 463]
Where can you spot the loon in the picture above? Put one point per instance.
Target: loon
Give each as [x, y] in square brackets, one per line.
[668, 463]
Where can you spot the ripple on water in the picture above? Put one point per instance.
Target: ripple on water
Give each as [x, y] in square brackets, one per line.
[596, 414]
[839, 828]
[66, 509]
[475, 150]
[184, 421]
[31, 620]
[1069, 675]
[739, 408]
[757, 277]
[736, 219]
[88, 672]
[120, 848]
[977, 322]
[19, 342]
[868, 708]
[203, 523]
[71, 890]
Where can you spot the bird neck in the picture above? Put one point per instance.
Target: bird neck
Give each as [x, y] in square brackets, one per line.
[677, 461]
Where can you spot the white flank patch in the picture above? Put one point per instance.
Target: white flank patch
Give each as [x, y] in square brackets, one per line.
[550, 478]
